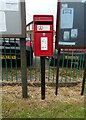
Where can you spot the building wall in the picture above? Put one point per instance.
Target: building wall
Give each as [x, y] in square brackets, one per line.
[30, 32]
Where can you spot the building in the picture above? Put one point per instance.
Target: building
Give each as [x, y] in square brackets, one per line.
[29, 29]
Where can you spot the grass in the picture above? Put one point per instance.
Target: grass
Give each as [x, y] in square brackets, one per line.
[54, 110]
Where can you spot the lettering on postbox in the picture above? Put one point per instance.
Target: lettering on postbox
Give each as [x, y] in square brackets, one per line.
[43, 27]
[43, 35]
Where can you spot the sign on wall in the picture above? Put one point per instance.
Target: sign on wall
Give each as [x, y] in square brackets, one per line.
[12, 18]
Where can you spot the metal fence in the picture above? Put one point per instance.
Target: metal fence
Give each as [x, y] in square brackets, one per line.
[71, 64]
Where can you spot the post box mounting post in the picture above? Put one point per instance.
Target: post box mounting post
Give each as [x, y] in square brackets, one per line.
[42, 78]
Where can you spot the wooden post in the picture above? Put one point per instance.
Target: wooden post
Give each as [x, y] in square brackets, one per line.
[23, 67]
[57, 74]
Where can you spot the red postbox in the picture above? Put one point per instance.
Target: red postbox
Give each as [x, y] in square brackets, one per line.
[43, 35]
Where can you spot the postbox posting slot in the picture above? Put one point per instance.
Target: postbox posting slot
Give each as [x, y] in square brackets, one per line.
[42, 22]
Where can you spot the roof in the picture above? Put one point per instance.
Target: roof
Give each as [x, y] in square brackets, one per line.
[29, 23]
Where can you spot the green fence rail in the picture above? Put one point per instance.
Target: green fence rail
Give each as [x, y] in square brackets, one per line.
[71, 63]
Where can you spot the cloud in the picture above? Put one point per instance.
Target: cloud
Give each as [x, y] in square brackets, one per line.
[40, 7]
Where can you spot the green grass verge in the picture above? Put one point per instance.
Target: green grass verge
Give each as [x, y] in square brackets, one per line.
[57, 110]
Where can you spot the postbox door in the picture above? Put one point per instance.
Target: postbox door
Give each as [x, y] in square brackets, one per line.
[43, 44]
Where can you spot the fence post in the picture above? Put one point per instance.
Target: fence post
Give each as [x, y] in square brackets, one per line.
[84, 77]
[23, 67]
[57, 74]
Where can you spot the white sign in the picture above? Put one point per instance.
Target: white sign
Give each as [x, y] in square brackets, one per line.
[2, 5]
[44, 43]
[66, 43]
[83, 1]
[2, 21]
[74, 33]
[43, 27]
[67, 16]
[64, 5]
[12, 5]
[9, 5]
[66, 35]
